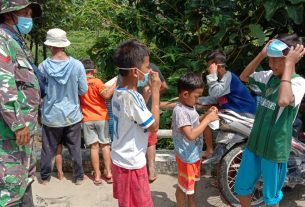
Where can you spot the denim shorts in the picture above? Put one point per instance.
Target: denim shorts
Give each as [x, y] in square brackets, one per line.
[252, 168]
[96, 131]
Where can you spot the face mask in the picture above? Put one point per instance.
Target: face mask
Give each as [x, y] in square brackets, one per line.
[276, 48]
[25, 25]
[145, 81]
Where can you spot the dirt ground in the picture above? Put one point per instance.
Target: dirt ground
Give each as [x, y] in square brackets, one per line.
[66, 194]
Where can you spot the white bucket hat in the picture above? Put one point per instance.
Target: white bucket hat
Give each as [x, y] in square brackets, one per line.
[57, 38]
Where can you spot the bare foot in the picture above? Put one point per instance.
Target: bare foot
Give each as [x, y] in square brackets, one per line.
[60, 175]
[207, 154]
[44, 182]
[152, 173]
[79, 181]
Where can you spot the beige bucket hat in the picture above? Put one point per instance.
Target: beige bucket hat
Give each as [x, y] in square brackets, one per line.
[57, 38]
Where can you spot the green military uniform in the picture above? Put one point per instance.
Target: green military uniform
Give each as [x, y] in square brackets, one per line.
[19, 103]
[271, 134]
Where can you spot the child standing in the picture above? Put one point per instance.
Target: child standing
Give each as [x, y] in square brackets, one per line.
[268, 148]
[132, 122]
[95, 122]
[188, 128]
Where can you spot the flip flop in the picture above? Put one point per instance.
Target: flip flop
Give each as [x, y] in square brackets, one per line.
[109, 180]
[97, 181]
[151, 180]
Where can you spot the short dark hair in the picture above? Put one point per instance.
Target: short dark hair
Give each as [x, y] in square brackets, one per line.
[289, 39]
[217, 56]
[189, 82]
[130, 54]
[88, 63]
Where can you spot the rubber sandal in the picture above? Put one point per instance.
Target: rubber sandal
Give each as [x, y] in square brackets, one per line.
[151, 180]
[97, 181]
[109, 180]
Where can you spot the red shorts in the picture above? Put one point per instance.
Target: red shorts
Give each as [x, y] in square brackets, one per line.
[152, 138]
[131, 187]
[188, 175]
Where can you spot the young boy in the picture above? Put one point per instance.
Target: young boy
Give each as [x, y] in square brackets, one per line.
[229, 91]
[95, 122]
[187, 134]
[268, 147]
[132, 122]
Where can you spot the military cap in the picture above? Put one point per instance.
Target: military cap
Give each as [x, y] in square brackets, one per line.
[15, 5]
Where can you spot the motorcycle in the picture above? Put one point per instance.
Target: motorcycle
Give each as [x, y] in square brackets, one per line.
[231, 139]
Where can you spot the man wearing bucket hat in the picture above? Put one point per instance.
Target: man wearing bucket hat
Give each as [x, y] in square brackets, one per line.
[61, 113]
[268, 148]
[20, 99]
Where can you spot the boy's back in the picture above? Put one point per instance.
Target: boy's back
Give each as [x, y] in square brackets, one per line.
[131, 119]
[92, 103]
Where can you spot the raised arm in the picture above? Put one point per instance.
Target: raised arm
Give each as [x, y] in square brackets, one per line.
[251, 67]
[155, 98]
[286, 96]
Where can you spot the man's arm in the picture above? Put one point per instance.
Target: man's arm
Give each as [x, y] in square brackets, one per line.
[82, 82]
[9, 106]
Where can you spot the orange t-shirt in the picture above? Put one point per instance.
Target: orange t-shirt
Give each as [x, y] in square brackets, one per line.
[92, 103]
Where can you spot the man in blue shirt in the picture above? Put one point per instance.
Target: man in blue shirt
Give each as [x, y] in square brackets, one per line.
[61, 113]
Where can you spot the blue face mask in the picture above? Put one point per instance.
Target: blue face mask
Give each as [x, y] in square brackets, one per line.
[142, 83]
[25, 25]
[276, 48]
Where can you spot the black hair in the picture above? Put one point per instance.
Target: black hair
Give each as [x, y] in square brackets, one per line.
[189, 82]
[130, 54]
[88, 63]
[217, 56]
[290, 40]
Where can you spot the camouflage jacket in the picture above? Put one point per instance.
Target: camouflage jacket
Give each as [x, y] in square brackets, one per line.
[19, 88]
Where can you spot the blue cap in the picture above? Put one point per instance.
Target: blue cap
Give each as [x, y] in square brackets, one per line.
[276, 48]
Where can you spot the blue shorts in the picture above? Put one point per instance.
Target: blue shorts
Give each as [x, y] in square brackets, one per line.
[253, 167]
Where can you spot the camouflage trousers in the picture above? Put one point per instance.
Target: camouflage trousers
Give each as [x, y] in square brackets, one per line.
[17, 170]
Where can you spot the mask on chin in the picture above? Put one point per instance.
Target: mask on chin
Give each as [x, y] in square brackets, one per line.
[25, 25]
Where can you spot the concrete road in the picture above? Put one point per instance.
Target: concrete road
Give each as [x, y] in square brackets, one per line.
[66, 194]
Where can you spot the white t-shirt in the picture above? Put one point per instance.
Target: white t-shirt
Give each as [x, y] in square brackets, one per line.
[131, 118]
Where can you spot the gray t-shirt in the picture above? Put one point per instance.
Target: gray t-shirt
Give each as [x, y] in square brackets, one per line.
[187, 150]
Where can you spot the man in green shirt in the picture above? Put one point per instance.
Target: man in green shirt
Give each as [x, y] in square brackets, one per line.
[269, 143]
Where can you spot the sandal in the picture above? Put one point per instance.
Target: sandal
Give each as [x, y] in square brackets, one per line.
[151, 180]
[96, 181]
[108, 180]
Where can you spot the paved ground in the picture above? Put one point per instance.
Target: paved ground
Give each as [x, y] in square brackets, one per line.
[66, 194]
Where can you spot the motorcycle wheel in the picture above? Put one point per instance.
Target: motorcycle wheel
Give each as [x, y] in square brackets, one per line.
[226, 174]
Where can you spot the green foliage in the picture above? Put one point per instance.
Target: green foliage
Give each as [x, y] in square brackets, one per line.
[180, 33]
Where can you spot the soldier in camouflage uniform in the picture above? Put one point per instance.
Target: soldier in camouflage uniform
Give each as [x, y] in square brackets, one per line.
[19, 103]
